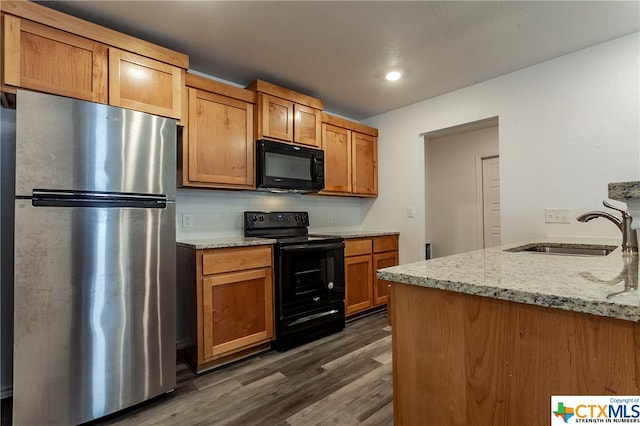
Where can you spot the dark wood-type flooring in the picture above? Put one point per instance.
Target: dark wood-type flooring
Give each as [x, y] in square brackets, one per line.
[343, 379]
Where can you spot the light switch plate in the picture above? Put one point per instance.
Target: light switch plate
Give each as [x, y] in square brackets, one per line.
[557, 215]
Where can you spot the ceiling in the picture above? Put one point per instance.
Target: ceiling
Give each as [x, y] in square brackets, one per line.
[339, 51]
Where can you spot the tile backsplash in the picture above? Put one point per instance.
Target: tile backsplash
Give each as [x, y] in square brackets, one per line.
[219, 213]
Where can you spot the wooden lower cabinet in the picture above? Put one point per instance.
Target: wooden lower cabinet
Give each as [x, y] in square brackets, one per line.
[363, 257]
[228, 305]
[358, 272]
[381, 287]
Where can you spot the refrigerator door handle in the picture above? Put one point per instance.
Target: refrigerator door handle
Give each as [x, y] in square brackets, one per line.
[61, 198]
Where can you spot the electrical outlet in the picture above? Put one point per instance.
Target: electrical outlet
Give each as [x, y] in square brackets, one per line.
[411, 211]
[557, 215]
[187, 221]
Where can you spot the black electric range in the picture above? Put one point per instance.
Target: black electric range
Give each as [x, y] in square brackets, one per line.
[309, 277]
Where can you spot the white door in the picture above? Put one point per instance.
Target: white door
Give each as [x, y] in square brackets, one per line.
[491, 200]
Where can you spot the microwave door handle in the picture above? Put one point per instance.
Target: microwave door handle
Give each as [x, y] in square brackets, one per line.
[314, 168]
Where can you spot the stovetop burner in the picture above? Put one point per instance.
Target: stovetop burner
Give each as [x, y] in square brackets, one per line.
[286, 227]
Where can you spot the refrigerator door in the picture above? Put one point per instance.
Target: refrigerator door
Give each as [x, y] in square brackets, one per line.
[94, 310]
[67, 144]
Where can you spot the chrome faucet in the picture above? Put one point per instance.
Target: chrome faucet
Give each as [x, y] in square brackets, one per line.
[629, 236]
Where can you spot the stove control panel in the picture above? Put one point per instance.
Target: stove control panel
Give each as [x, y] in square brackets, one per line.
[261, 220]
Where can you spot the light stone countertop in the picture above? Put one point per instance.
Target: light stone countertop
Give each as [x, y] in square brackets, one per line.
[353, 234]
[624, 190]
[585, 284]
[629, 192]
[224, 242]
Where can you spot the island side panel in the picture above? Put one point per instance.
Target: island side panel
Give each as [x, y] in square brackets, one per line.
[568, 353]
[460, 359]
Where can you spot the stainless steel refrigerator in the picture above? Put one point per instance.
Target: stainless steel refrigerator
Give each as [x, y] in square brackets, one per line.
[94, 259]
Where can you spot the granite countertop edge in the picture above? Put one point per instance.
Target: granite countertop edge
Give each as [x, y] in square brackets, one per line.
[352, 234]
[548, 281]
[622, 191]
[224, 242]
[575, 304]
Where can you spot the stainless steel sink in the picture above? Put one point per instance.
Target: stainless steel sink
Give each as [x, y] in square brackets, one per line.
[565, 249]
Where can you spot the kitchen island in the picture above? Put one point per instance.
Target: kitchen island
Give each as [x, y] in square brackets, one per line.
[487, 337]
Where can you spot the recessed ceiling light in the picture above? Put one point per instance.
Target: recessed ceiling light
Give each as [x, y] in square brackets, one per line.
[393, 75]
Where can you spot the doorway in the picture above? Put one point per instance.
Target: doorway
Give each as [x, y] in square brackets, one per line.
[454, 188]
[490, 191]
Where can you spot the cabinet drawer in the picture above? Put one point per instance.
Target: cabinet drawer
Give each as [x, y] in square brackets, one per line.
[389, 243]
[216, 261]
[357, 247]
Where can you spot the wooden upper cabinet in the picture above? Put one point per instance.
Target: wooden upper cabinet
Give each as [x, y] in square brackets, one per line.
[52, 52]
[217, 149]
[45, 59]
[307, 126]
[221, 148]
[364, 155]
[275, 118]
[144, 84]
[336, 143]
[287, 116]
[351, 157]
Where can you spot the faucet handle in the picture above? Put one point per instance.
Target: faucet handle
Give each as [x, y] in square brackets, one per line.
[606, 203]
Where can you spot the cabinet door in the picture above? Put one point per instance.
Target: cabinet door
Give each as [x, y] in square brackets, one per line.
[364, 151]
[237, 311]
[44, 59]
[144, 84]
[221, 148]
[358, 291]
[307, 126]
[275, 118]
[336, 143]
[380, 287]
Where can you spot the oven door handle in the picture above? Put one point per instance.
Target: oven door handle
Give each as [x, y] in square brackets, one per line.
[314, 316]
[300, 247]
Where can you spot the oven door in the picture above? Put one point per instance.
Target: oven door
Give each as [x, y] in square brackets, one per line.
[309, 275]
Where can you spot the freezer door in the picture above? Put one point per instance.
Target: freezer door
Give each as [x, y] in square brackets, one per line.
[67, 144]
[94, 310]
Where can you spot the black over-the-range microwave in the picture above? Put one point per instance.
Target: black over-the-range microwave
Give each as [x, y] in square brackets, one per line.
[288, 168]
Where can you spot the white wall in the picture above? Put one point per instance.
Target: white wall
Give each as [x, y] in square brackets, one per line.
[567, 127]
[452, 206]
